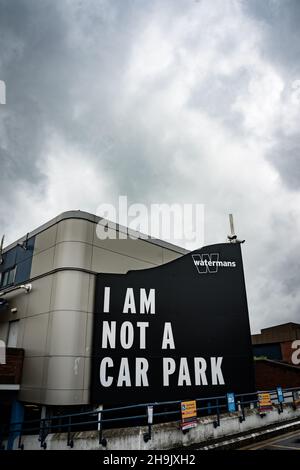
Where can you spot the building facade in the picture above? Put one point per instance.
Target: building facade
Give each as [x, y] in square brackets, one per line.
[50, 318]
[279, 342]
[277, 353]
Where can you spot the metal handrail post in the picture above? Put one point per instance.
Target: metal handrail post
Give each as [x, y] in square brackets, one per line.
[70, 442]
[217, 422]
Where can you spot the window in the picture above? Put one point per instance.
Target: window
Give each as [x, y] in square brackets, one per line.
[11, 276]
[8, 277]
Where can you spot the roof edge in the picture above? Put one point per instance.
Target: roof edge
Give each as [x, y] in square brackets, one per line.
[78, 214]
[278, 363]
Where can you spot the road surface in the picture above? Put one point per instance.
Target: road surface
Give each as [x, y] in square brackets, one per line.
[287, 441]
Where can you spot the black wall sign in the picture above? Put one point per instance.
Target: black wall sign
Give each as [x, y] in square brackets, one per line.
[177, 331]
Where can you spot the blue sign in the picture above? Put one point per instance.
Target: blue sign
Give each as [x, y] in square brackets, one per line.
[280, 395]
[231, 402]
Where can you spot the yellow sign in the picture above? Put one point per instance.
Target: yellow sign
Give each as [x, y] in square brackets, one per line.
[296, 399]
[265, 402]
[188, 414]
[188, 409]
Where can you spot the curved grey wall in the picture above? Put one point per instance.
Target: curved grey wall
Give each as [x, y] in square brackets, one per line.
[55, 319]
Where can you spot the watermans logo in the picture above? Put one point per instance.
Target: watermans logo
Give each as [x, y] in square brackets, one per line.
[210, 263]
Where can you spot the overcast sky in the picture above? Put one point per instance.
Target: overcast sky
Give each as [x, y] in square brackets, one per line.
[163, 101]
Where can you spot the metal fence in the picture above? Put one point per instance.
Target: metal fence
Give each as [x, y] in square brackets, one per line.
[138, 415]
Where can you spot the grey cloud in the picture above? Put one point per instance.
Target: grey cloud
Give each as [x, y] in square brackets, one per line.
[217, 95]
[280, 23]
[65, 63]
[30, 34]
[285, 156]
[281, 46]
[59, 57]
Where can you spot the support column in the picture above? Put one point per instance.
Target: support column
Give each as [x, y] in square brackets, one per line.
[16, 421]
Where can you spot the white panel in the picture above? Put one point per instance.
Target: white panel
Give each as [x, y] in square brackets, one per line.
[65, 373]
[73, 254]
[89, 334]
[42, 262]
[35, 335]
[75, 230]
[67, 335]
[40, 296]
[13, 331]
[140, 249]
[108, 262]
[45, 239]
[64, 397]
[70, 291]
[169, 255]
[92, 287]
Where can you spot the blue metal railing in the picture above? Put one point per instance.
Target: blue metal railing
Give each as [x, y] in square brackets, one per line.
[100, 419]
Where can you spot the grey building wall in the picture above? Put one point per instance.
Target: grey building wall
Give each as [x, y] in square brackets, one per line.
[55, 319]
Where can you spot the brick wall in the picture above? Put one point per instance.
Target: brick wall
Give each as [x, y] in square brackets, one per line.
[10, 373]
[287, 351]
[278, 334]
[269, 375]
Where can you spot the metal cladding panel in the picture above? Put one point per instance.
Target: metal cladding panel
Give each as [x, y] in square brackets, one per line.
[73, 254]
[70, 291]
[77, 230]
[200, 304]
[45, 239]
[56, 317]
[68, 333]
[42, 262]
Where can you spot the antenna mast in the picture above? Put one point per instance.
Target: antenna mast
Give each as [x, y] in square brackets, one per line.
[1, 249]
[232, 238]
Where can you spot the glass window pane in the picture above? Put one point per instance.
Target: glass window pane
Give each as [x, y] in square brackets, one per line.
[5, 278]
[11, 276]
